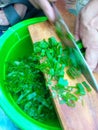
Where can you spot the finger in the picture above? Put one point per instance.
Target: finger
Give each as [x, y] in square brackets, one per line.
[94, 22]
[52, 0]
[77, 28]
[34, 3]
[96, 69]
[47, 8]
[92, 58]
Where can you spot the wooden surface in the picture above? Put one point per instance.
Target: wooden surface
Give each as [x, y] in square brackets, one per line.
[82, 116]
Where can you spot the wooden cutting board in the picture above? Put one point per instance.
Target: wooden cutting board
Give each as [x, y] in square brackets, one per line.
[82, 116]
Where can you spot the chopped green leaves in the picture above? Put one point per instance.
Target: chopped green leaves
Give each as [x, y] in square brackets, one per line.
[86, 86]
[80, 89]
[26, 83]
[73, 72]
[69, 99]
[62, 83]
[53, 63]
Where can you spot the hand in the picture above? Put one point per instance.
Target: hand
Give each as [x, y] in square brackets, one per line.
[46, 7]
[87, 31]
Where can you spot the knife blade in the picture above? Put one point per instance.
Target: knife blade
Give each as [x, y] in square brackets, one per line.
[69, 41]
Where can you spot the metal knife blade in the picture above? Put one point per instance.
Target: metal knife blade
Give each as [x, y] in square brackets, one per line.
[68, 39]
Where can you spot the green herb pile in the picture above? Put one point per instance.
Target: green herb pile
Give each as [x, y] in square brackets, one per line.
[27, 86]
[25, 79]
[54, 59]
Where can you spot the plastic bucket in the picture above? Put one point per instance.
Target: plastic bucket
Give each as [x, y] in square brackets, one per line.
[16, 43]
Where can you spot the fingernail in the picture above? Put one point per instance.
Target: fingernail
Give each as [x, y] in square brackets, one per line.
[77, 38]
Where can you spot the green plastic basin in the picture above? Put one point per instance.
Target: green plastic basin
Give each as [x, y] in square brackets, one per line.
[16, 43]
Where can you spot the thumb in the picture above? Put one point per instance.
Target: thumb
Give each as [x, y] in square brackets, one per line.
[77, 26]
[91, 57]
[94, 22]
[47, 8]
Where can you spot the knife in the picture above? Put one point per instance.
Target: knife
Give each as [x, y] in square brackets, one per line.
[69, 41]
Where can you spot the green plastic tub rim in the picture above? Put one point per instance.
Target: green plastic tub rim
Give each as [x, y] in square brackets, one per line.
[16, 43]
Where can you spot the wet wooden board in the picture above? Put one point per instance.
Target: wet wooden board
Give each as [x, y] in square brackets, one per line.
[84, 116]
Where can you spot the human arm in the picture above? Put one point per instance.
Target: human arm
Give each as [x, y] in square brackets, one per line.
[87, 31]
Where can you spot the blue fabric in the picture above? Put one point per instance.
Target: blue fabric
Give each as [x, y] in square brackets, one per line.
[12, 15]
[1, 32]
[14, 18]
